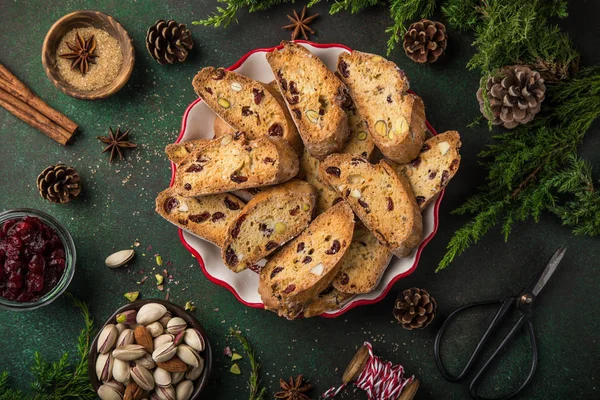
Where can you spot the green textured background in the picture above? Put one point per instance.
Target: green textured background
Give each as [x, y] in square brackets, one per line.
[117, 207]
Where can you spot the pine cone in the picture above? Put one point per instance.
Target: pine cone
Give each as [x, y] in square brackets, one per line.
[515, 96]
[169, 42]
[425, 41]
[59, 183]
[414, 308]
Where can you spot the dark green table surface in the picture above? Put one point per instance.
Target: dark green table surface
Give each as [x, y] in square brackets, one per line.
[117, 207]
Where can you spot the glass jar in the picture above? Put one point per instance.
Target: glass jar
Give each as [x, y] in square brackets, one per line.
[70, 257]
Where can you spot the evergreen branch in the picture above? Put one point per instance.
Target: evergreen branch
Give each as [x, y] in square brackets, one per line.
[57, 380]
[256, 391]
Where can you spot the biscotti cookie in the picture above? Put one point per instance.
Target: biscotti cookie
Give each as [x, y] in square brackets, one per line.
[306, 266]
[314, 96]
[247, 105]
[363, 264]
[396, 119]
[268, 221]
[207, 217]
[380, 197]
[309, 171]
[232, 162]
[329, 299]
[433, 168]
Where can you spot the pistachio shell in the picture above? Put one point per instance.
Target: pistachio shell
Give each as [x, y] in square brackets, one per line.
[121, 371]
[119, 258]
[110, 392]
[150, 312]
[107, 338]
[142, 377]
[165, 319]
[177, 377]
[162, 377]
[120, 328]
[162, 339]
[176, 325]
[129, 352]
[184, 390]
[146, 361]
[194, 339]
[104, 367]
[126, 337]
[194, 373]
[166, 393]
[156, 329]
[188, 355]
[164, 352]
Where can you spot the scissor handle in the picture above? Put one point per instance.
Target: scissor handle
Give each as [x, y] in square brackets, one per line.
[516, 327]
[500, 314]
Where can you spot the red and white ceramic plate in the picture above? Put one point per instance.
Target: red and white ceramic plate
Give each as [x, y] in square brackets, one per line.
[198, 124]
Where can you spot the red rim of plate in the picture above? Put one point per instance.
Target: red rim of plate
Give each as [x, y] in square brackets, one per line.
[352, 304]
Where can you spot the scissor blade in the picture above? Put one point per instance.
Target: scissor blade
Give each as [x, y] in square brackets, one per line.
[548, 271]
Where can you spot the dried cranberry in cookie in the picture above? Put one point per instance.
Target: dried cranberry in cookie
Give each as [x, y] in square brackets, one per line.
[207, 217]
[314, 95]
[268, 221]
[246, 105]
[433, 168]
[395, 118]
[306, 266]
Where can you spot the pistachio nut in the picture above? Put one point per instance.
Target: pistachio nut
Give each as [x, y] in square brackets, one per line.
[188, 355]
[162, 339]
[107, 338]
[165, 319]
[120, 328]
[129, 352]
[177, 377]
[166, 393]
[104, 367]
[194, 373]
[126, 317]
[111, 391]
[146, 361]
[156, 329]
[121, 370]
[184, 390]
[164, 352]
[162, 377]
[194, 339]
[381, 128]
[149, 313]
[126, 337]
[142, 377]
[176, 325]
[179, 338]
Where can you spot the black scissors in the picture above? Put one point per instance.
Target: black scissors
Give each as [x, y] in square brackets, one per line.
[523, 303]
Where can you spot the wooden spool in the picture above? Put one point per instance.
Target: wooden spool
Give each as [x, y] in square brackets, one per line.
[357, 366]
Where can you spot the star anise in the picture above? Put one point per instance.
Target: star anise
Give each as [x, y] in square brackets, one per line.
[300, 24]
[116, 141]
[82, 53]
[293, 390]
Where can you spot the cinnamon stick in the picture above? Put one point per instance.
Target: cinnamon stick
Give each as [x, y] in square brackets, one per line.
[12, 85]
[34, 118]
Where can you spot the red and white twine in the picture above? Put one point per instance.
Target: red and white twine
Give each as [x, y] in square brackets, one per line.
[381, 380]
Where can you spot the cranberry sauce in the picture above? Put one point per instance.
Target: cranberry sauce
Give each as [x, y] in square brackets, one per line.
[32, 259]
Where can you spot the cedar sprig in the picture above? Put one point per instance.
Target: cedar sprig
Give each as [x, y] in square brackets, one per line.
[58, 380]
[535, 168]
[256, 391]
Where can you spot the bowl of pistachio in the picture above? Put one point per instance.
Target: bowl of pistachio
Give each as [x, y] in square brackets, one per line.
[150, 349]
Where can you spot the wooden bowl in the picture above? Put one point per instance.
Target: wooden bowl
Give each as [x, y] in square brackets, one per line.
[85, 19]
[176, 311]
